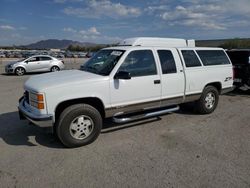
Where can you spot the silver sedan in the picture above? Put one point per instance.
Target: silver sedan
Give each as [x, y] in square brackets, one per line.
[37, 63]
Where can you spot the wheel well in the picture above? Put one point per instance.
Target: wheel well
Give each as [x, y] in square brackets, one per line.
[93, 101]
[217, 85]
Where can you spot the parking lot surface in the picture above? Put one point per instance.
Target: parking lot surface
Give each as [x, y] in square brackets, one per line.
[182, 149]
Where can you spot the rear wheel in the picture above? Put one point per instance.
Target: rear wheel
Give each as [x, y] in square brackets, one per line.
[208, 100]
[79, 125]
[55, 69]
[19, 71]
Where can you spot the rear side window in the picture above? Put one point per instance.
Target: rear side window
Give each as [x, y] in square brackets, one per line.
[190, 58]
[213, 57]
[45, 58]
[139, 63]
[167, 61]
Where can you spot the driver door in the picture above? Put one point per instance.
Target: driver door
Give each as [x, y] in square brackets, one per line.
[32, 64]
[143, 90]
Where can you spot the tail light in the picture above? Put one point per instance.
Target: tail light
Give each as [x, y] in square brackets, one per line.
[63, 62]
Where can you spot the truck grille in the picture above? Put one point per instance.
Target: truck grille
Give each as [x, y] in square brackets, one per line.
[26, 96]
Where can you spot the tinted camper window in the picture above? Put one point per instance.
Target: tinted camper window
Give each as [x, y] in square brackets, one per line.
[213, 57]
[190, 58]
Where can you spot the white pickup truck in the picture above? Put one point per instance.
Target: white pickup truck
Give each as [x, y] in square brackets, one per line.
[139, 78]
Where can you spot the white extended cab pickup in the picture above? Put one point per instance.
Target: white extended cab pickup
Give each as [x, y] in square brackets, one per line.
[139, 78]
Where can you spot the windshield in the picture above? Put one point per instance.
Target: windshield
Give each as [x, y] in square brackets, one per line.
[103, 62]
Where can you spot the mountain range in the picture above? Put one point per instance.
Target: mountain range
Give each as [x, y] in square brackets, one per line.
[64, 44]
[58, 44]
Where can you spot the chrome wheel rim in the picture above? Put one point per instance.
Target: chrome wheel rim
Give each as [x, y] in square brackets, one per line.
[20, 71]
[210, 100]
[55, 69]
[81, 127]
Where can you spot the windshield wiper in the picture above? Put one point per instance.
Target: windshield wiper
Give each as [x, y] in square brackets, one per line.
[89, 69]
[93, 70]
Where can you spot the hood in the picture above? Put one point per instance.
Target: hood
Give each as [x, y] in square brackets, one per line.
[15, 62]
[40, 83]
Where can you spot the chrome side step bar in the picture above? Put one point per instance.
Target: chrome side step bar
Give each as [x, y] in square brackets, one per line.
[126, 119]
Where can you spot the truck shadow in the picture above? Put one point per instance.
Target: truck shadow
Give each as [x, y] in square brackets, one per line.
[21, 133]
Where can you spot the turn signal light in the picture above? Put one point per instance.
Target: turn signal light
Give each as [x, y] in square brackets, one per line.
[40, 106]
[39, 97]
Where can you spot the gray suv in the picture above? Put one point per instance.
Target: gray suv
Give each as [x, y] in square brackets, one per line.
[37, 63]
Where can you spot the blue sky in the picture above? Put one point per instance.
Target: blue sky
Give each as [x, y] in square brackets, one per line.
[107, 21]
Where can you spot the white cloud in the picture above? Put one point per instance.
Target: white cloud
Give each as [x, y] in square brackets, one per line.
[23, 28]
[97, 9]
[93, 30]
[209, 14]
[90, 35]
[69, 29]
[64, 1]
[6, 27]
[89, 32]
[60, 1]
[53, 17]
[192, 16]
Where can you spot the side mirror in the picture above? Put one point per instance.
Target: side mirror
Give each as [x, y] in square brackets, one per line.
[124, 75]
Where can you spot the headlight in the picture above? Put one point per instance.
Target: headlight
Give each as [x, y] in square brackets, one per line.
[10, 66]
[36, 100]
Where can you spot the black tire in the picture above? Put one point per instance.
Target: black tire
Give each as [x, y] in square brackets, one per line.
[19, 71]
[206, 104]
[63, 128]
[54, 69]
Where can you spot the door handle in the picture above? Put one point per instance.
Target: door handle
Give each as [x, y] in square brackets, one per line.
[157, 81]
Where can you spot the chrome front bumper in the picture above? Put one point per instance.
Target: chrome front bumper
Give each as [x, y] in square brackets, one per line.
[42, 120]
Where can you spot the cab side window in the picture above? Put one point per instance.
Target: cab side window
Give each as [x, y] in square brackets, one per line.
[45, 58]
[33, 59]
[139, 63]
[167, 61]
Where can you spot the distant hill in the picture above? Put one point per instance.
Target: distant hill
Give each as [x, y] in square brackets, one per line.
[58, 44]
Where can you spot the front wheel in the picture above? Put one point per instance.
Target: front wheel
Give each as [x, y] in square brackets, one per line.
[20, 71]
[79, 125]
[208, 100]
[55, 69]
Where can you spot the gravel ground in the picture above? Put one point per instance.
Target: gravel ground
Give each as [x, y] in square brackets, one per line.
[182, 149]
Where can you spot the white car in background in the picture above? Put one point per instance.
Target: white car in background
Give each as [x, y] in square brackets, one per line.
[37, 63]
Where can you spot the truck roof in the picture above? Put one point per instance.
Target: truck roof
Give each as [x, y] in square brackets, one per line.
[180, 48]
[157, 42]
